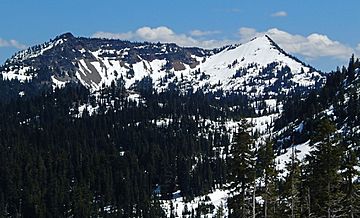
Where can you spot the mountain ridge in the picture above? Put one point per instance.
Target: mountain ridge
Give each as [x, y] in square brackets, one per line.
[95, 63]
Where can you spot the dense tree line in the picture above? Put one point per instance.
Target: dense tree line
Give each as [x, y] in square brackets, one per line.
[58, 161]
[325, 184]
[339, 97]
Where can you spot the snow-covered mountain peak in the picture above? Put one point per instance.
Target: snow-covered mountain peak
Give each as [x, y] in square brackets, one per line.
[261, 51]
[257, 66]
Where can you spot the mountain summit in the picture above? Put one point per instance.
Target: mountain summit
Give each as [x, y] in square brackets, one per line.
[254, 67]
[260, 61]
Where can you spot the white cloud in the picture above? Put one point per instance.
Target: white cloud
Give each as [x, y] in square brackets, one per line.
[167, 35]
[122, 36]
[312, 46]
[159, 33]
[279, 14]
[357, 50]
[11, 43]
[198, 33]
[247, 33]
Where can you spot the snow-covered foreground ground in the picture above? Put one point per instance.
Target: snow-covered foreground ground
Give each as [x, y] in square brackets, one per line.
[217, 200]
[214, 201]
[301, 151]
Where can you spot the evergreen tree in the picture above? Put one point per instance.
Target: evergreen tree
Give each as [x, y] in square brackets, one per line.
[324, 178]
[292, 186]
[349, 173]
[266, 159]
[351, 68]
[242, 172]
[220, 211]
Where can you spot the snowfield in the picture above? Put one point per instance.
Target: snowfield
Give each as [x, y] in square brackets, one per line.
[217, 198]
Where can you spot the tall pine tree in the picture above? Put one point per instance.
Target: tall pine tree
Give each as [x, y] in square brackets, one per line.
[266, 164]
[242, 172]
[324, 166]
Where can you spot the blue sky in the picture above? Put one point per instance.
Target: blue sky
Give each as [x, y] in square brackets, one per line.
[322, 33]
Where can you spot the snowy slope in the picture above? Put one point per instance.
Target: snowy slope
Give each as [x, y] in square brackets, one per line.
[254, 56]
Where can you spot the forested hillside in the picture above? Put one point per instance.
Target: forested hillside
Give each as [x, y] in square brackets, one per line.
[57, 161]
